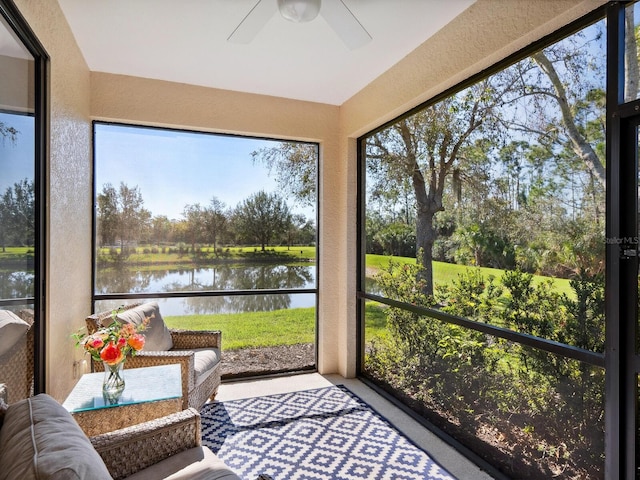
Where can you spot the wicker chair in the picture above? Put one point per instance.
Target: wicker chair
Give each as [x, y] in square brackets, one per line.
[197, 389]
[16, 365]
[141, 447]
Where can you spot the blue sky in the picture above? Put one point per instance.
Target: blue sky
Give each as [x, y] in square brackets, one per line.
[171, 168]
[17, 158]
[175, 168]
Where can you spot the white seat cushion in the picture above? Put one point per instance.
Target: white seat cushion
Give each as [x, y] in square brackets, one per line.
[12, 329]
[198, 463]
[204, 359]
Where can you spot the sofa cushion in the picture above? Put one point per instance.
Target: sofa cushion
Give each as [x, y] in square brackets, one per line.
[40, 439]
[198, 463]
[157, 336]
[204, 359]
[12, 329]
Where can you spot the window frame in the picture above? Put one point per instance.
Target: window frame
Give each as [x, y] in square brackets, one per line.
[204, 293]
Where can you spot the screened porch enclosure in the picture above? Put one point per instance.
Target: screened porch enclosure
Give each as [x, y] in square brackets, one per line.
[488, 246]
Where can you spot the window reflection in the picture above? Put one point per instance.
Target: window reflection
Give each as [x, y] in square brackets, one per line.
[632, 67]
[17, 168]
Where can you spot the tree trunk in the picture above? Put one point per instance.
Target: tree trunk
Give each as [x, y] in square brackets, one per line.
[425, 238]
[581, 147]
[427, 204]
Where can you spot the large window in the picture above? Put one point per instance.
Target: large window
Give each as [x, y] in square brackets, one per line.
[220, 230]
[483, 260]
[22, 167]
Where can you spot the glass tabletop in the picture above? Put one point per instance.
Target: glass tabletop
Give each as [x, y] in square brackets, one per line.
[147, 384]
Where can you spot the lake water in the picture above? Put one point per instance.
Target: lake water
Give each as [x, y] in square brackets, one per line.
[234, 277]
[218, 278]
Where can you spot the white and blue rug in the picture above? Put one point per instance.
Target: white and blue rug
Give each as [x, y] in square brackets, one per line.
[322, 434]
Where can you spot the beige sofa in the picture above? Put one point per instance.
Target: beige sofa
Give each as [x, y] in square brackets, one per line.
[39, 439]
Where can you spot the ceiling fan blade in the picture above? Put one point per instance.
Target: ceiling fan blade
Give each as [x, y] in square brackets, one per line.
[344, 23]
[251, 24]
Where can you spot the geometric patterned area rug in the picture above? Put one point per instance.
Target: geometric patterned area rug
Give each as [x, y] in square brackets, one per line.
[322, 434]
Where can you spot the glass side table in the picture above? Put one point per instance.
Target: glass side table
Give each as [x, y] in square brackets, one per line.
[149, 393]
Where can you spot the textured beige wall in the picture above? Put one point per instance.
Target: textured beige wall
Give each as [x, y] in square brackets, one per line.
[154, 102]
[68, 276]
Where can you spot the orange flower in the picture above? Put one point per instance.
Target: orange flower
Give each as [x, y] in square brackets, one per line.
[127, 330]
[111, 354]
[114, 342]
[94, 342]
[136, 341]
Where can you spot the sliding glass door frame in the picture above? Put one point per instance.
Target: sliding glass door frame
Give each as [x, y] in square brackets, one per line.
[15, 20]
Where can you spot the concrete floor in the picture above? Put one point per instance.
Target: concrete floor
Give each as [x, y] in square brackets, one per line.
[440, 451]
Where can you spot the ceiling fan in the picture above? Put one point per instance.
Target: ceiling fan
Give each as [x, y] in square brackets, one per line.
[335, 12]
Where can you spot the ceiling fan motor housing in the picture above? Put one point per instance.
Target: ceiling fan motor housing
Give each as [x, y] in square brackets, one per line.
[299, 11]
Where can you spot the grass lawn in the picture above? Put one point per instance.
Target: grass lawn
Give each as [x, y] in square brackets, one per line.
[15, 253]
[375, 321]
[254, 329]
[149, 255]
[446, 272]
[266, 329]
[297, 325]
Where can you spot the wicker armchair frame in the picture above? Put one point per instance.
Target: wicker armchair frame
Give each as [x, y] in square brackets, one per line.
[16, 366]
[129, 450]
[196, 392]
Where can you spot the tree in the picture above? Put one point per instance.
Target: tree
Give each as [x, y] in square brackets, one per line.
[17, 214]
[296, 166]
[161, 229]
[195, 223]
[107, 224]
[581, 146]
[429, 147]
[553, 96]
[396, 238]
[8, 132]
[215, 222]
[121, 215]
[307, 233]
[262, 217]
[205, 224]
[292, 232]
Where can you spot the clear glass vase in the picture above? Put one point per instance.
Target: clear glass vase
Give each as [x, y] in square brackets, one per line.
[113, 383]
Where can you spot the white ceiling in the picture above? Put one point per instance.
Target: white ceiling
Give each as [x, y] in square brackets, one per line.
[186, 41]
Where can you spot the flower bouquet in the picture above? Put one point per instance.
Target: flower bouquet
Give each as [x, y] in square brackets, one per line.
[111, 345]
